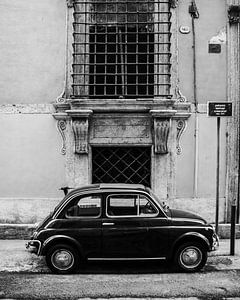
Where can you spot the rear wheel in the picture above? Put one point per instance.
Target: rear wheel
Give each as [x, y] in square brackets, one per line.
[190, 257]
[62, 259]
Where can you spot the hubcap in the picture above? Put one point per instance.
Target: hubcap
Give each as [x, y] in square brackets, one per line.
[191, 257]
[62, 259]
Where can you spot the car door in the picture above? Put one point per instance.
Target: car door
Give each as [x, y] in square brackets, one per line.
[81, 220]
[124, 232]
[157, 224]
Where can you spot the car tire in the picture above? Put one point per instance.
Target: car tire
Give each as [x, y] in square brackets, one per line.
[62, 259]
[190, 257]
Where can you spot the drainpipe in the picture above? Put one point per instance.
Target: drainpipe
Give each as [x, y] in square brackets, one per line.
[195, 15]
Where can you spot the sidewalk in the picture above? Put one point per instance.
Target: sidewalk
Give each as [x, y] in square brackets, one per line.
[15, 258]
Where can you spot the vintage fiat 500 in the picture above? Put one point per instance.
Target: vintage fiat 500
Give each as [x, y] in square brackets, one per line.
[120, 221]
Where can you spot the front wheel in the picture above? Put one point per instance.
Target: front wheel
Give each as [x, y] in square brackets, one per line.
[190, 257]
[62, 259]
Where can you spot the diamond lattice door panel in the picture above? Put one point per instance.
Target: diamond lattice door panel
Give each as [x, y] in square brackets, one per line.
[122, 165]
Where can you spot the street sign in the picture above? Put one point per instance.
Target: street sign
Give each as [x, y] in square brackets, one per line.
[219, 109]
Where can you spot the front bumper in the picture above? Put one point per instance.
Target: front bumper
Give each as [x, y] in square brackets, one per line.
[34, 246]
[215, 243]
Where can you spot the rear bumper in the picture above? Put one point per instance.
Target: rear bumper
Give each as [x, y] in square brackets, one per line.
[33, 246]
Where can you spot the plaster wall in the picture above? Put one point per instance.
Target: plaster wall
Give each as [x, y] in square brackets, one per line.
[32, 60]
[204, 201]
[32, 168]
[210, 67]
[31, 164]
[211, 85]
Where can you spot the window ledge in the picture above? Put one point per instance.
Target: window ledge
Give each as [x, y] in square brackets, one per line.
[122, 105]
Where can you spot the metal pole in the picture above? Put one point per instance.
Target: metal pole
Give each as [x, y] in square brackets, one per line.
[217, 175]
[233, 222]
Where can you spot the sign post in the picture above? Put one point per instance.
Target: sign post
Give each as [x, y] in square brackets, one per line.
[218, 109]
[217, 175]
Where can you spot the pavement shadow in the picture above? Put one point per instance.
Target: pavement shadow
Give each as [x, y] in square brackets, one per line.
[126, 267]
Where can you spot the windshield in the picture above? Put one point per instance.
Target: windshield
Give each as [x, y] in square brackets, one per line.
[163, 205]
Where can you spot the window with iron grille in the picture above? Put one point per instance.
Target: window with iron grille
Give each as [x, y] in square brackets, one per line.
[121, 48]
[121, 165]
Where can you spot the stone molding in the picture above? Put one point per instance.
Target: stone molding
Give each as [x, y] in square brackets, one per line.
[26, 108]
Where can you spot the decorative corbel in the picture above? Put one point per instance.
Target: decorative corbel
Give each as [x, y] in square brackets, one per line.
[181, 126]
[173, 3]
[61, 126]
[180, 97]
[234, 14]
[80, 126]
[80, 129]
[161, 132]
[161, 128]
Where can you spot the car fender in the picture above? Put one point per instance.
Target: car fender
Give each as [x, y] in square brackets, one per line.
[186, 237]
[60, 239]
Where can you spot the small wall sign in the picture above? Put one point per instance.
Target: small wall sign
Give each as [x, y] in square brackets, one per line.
[214, 48]
[219, 109]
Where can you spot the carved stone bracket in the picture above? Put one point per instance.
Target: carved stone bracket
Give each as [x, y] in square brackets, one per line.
[173, 3]
[61, 126]
[181, 126]
[80, 126]
[161, 132]
[161, 128]
[181, 122]
[180, 97]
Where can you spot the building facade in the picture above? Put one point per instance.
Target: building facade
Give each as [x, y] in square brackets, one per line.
[117, 91]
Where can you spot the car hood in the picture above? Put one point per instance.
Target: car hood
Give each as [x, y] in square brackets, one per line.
[178, 214]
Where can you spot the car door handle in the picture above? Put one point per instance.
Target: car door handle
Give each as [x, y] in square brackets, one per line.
[108, 224]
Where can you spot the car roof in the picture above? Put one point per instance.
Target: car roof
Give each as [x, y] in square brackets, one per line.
[102, 186]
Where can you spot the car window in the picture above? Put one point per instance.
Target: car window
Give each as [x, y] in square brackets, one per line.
[88, 206]
[130, 205]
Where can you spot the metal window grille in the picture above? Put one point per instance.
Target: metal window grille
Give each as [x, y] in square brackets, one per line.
[121, 48]
[121, 165]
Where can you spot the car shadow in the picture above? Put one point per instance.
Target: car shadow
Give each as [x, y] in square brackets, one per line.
[126, 267]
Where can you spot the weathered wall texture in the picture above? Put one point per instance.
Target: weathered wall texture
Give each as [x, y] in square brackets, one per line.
[32, 57]
[211, 85]
[32, 63]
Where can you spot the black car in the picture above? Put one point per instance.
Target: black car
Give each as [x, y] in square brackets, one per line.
[120, 221]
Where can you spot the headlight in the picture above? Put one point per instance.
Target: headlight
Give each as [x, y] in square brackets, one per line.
[215, 244]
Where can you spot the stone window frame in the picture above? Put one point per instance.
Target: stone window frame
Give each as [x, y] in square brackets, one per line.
[174, 85]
